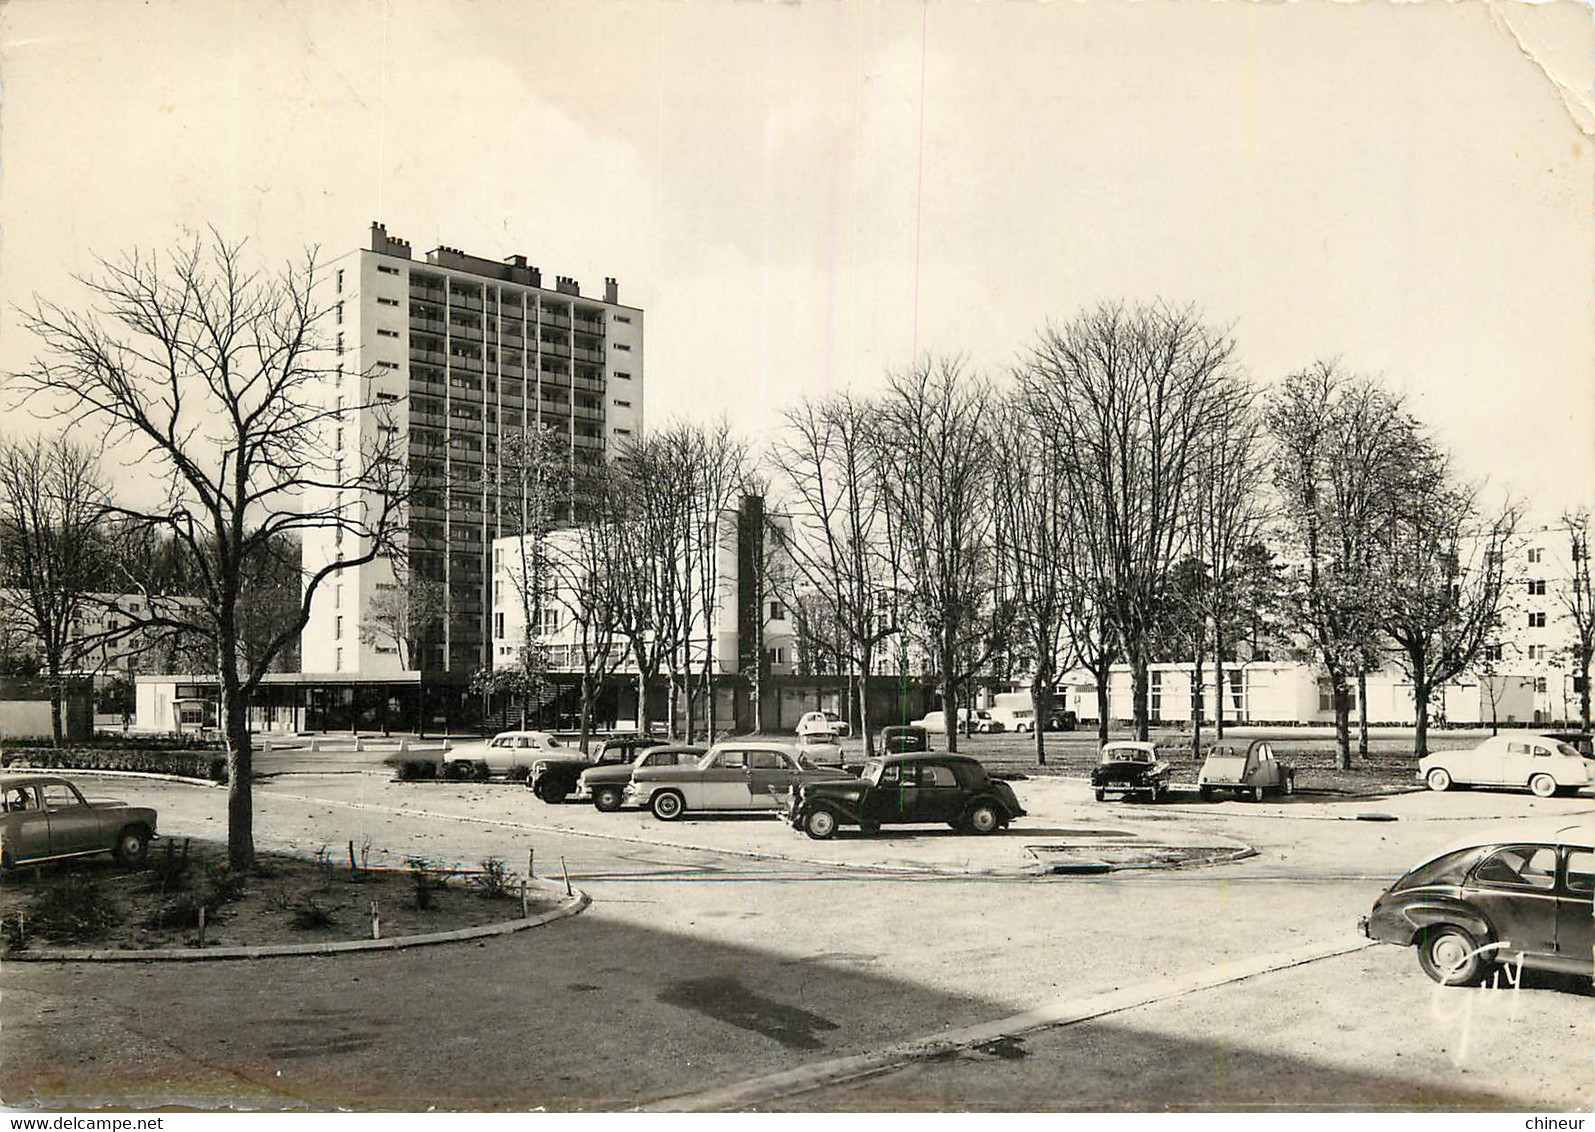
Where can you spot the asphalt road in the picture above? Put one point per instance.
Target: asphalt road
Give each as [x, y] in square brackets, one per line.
[700, 968]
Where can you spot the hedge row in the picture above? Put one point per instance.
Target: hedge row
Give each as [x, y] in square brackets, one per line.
[189, 764]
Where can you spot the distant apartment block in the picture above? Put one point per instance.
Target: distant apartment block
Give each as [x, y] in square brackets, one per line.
[457, 352]
[1537, 633]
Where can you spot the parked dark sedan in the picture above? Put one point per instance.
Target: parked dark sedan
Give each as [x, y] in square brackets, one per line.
[1129, 768]
[557, 774]
[904, 739]
[904, 789]
[1515, 901]
[606, 783]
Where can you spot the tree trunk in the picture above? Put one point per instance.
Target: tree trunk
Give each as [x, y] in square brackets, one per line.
[1340, 698]
[1420, 718]
[949, 699]
[1139, 695]
[1040, 692]
[1362, 712]
[240, 777]
[1197, 706]
[53, 673]
[642, 702]
[1104, 704]
[863, 706]
[586, 708]
[1219, 684]
[1584, 695]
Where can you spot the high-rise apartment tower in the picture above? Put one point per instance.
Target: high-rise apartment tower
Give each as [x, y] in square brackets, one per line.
[459, 352]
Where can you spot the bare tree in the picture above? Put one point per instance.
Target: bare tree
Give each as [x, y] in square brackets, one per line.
[52, 551]
[934, 449]
[715, 465]
[1128, 396]
[650, 544]
[1446, 566]
[1343, 449]
[1227, 517]
[531, 478]
[1035, 529]
[217, 378]
[1578, 606]
[402, 614]
[586, 573]
[836, 547]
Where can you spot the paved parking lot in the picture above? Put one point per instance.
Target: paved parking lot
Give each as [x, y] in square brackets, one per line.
[732, 950]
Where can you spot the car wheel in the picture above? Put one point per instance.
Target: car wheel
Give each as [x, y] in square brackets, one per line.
[456, 771]
[1542, 786]
[1439, 780]
[1450, 956]
[1257, 794]
[820, 824]
[983, 819]
[1205, 793]
[667, 805]
[1287, 785]
[1102, 795]
[481, 772]
[607, 799]
[132, 846]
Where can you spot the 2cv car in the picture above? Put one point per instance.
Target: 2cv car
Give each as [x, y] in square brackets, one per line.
[1130, 769]
[1252, 775]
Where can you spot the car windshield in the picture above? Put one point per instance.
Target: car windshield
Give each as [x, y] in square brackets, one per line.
[550, 741]
[1572, 752]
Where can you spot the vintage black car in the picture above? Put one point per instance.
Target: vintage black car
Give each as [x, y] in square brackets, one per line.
[904, 740]
[556, 775]
[1517, 900]
[1130, 770]
[905, 789]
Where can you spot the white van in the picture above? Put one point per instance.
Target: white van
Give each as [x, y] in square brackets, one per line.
[1014, 711]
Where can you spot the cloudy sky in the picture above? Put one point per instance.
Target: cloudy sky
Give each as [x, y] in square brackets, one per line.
[803, 195]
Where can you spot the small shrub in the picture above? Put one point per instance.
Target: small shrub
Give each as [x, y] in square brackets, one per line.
[14, 932]
[425, 881]
[417, 770]
[73, 907]
[218, 885]
[168, 871]
[518, 773]
[309, 915]
[493, 882]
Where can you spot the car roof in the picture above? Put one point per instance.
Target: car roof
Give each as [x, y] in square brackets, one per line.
[927, 756]
[678, 749]
[10, 780]
[1524, 736]
[1138, 744]
[754, 745]
[1546, 832]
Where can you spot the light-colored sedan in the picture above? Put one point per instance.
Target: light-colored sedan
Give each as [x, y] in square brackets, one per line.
[1538, 762]
[822, 722]
[733, 775]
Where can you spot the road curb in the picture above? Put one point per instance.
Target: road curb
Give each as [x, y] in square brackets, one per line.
[1061, 1012]
[577, 902]
[72, 772]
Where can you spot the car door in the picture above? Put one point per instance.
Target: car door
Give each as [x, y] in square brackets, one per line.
[770, 774]
[938, 797]
[722, 785]
[1575, 914]
[1515, 889]
[1511, 769]
[74, 824]
[27, 826]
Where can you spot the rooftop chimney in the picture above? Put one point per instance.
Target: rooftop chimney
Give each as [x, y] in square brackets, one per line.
[567, 286]
[611, 290]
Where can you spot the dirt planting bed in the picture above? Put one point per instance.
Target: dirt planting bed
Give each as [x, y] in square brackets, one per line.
[283, 900]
